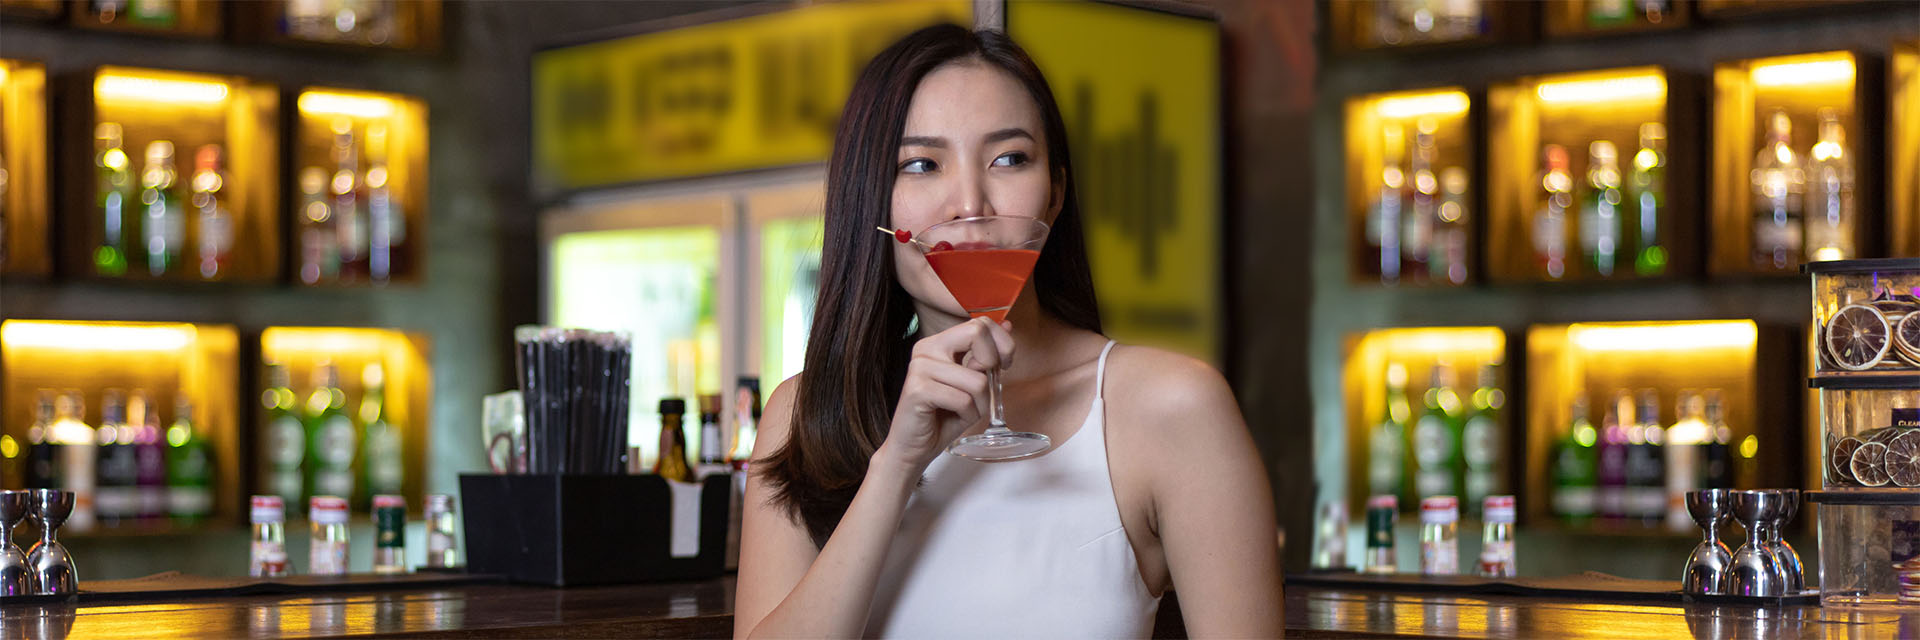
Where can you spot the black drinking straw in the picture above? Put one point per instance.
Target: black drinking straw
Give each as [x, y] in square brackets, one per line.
[527, 360]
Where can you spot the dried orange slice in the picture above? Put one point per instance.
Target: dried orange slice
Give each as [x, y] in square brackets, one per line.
[1858, 337]
[1903, 458]
[1869, 464]
[1906, 337]
[1840, 460]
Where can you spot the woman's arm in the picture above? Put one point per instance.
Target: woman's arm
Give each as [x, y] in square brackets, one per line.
[786, 588]
[1212, 505]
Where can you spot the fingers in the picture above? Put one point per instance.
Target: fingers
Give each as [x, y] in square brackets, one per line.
[979, 344]
[947, 387]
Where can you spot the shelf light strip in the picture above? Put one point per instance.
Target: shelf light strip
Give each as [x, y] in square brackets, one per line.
[1666, 337]
[133, 88]
[1428, 104]
[1615, 89]
[322, 102]
[1815, 72]
[96, 337]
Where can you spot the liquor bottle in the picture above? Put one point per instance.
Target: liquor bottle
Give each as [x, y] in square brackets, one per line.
[161, 14]
[1387, 28]
[1612, 496]
[1646, 464]
[1647, 186]
[1829, 209]
[1575, 467]
[1416, 236]
[1436, 438]
[1604, 14]
[746, 414]
[1416, 19]
[672, 462]
[349, 212]
[43, 468]
[1383, 225]
[307, 20]
[319, 243]
[1481, 444]
[189, 468]
[107, 11]
[150, 457]
[1550, 223]
[1684, 441]
[1654, 11]
[1386, 448]
[113, 192]
[115, 497]
[1779, 183]
[1459, 19]
[330, 436]
[164, 225]
[712, 440]
[1718, 452]
[214, 223]
[381, 445]
[1600, 210]
[386, 222]
[78, 458]
[286, 437]
[1449, 251]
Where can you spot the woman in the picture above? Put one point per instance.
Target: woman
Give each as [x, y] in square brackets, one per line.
[858, 523]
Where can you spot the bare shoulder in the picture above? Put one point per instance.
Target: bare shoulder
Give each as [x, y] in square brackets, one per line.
[777, 419]
[1161, 387]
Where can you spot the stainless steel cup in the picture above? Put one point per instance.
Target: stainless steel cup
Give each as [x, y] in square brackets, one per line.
[1756, 572]
[16, 579]
[1711, 563]
[52, 566]
[1783, 553]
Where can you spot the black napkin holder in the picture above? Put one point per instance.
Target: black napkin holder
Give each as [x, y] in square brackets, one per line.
[573, 530]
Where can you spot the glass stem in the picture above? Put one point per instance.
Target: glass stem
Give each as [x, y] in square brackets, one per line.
[996, 412]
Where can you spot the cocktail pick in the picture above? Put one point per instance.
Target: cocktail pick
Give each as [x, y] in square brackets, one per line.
[904, 236]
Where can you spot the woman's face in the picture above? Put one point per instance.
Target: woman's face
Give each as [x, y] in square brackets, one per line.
[973, 145]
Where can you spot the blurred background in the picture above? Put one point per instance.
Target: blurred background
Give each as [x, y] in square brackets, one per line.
[1437, 246]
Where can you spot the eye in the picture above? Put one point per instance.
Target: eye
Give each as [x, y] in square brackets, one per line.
[1012, 159]
[918, 165]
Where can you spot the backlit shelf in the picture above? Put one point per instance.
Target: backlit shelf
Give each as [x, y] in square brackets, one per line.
[1412, 209]
[24, 211]
[1903, 151]
[363, 360]
[358, 206]
[1387, 382]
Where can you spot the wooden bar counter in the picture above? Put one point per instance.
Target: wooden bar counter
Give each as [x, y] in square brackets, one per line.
[704, 610]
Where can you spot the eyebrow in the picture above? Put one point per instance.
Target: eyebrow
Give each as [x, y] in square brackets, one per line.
[941, 143]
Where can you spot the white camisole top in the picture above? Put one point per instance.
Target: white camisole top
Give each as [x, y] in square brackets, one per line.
[1025, 549]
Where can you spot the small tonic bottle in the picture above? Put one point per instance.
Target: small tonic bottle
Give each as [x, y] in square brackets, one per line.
[1497, 556]
[1439, 536]
[328, 554]
[1383, 511]
[441, 547]
[390, 542]
[269, 549]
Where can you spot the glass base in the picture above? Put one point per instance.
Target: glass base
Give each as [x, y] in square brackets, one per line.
[1003, 445]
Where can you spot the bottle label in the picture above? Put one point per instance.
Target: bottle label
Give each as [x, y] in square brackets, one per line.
[328, 558]
[1434, 483]
[385, 470]
[1431, 446]
[1440, 557]
[268, 559]
[335, 441]
[438, 542]
[392, 522]
[1573, 501]
[1386, 464]
[286, 444]
[1497, 559]
[1481, 442]
[333, 482]
[189, 501]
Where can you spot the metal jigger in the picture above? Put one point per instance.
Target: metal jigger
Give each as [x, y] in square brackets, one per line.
[51, 564]
[1783, 553]
[15, 578]
[1756, 572]
[1711, 563]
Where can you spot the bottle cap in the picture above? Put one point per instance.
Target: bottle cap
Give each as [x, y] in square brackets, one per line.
[674, 406]
[388, 502]
[437, 502]
[1906, 418]
[1440, 510]
[1498, 509]
[268, 510]
[327, 509]
[1383, 502]
[710, 405]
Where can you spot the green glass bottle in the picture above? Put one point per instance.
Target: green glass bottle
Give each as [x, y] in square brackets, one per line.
[1647, 186]
[1387, 448]
[286, 438]
[1437, 438]
[330, 436]
[189, 468]
[383, 470]
[113, 193]
[1576, 468]
[163, 222]
[1482, 447]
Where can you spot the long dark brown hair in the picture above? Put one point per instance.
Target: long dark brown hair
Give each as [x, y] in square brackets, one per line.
[858, 348]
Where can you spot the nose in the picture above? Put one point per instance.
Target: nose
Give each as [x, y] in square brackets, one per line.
[970, 197]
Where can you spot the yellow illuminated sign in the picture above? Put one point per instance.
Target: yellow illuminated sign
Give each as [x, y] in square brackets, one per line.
[1144, 125]
[750, 93]
[132, 86]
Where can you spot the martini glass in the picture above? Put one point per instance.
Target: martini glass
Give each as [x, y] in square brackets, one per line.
[984, 262]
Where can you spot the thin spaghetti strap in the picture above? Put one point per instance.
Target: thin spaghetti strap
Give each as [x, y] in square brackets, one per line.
[1100, 375]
